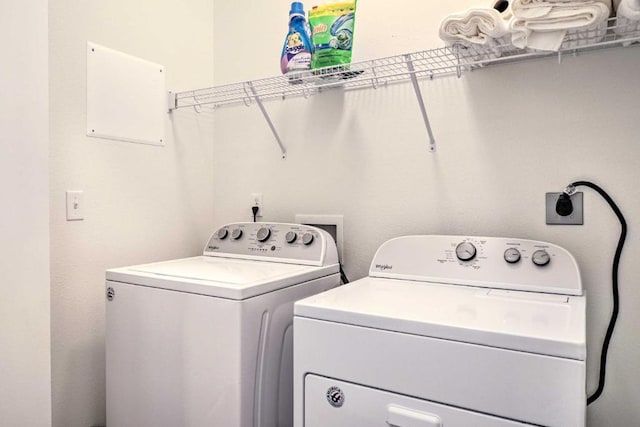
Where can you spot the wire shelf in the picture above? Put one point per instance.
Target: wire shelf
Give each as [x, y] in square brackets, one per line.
[445, 61]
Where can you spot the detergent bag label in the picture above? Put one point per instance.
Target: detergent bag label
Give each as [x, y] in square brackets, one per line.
[332, 28]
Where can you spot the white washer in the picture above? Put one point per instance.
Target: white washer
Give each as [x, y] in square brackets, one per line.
[207, 341]
[446, 331]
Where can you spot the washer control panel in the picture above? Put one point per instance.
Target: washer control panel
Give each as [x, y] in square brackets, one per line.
[491, 262]
[277, 241]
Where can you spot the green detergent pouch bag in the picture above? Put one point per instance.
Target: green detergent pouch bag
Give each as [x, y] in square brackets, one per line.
[332, 33]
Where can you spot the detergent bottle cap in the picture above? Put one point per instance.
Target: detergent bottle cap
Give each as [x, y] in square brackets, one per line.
[297, 9]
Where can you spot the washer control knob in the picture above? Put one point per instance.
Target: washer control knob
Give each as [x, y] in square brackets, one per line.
[512, 255]
[465, 251]
[307, 239]
[540, 258]
[263, 234]
[222, 233]
[236, 234]
[291, 236]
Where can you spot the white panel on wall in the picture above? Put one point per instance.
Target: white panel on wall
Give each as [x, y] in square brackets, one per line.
[126, 97]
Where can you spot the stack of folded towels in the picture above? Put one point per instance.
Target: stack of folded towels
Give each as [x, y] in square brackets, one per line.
[480, 34]
[628, 22]
[485, 33]
[545, 24]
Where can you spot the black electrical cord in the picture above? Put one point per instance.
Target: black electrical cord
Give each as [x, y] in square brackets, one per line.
[616, 295]
[255, 209]
[343, 276]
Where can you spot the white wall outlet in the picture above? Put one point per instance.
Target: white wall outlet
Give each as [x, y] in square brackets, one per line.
[256, 200]
[75, 205]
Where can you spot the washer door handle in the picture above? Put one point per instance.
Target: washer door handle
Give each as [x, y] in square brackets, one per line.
[398, 416]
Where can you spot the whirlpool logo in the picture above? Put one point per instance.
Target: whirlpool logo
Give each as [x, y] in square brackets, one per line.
[384, 267]
[335, 397]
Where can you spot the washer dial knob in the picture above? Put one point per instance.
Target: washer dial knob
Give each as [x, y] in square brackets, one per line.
[512, 255]
[540, 258]
[307, 239]
[236, 234]
[222, 233]
[465, 251]
[263, 234]
[291, 236]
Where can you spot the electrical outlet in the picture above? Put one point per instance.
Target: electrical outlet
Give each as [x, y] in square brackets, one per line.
[256, 200]
[575, 218]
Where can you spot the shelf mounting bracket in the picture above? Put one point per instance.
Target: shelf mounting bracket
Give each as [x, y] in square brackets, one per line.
[172, 101]
[423, 110]
[249, 85]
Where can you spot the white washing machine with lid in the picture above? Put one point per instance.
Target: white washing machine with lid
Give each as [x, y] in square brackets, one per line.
[207, 340]
[446, 331]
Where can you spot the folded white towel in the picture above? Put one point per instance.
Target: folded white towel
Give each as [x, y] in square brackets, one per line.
[475, 26]
[628, 22]
[478, 33]
[471, 52]
[629, 9]
[544, 24]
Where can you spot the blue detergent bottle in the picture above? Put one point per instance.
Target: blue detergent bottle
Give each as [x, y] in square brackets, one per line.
[296, 52]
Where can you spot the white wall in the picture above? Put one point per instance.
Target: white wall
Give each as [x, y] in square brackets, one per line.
[143, 203]
[506, 135]
[25, 384]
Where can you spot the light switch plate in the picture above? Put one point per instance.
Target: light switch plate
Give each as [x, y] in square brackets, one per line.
[75, 205]
[576, 217]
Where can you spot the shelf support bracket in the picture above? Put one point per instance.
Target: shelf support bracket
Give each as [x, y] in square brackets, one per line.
[423, 110]
[267, 118]
[172, 101]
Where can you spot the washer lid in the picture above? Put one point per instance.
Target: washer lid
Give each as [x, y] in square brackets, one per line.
[220, 277]
[524, 321]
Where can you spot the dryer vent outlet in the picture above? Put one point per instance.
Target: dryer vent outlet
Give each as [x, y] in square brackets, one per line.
[332, 224]
[576, 217]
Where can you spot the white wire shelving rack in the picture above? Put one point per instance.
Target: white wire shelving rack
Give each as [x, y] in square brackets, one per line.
[427, 64]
